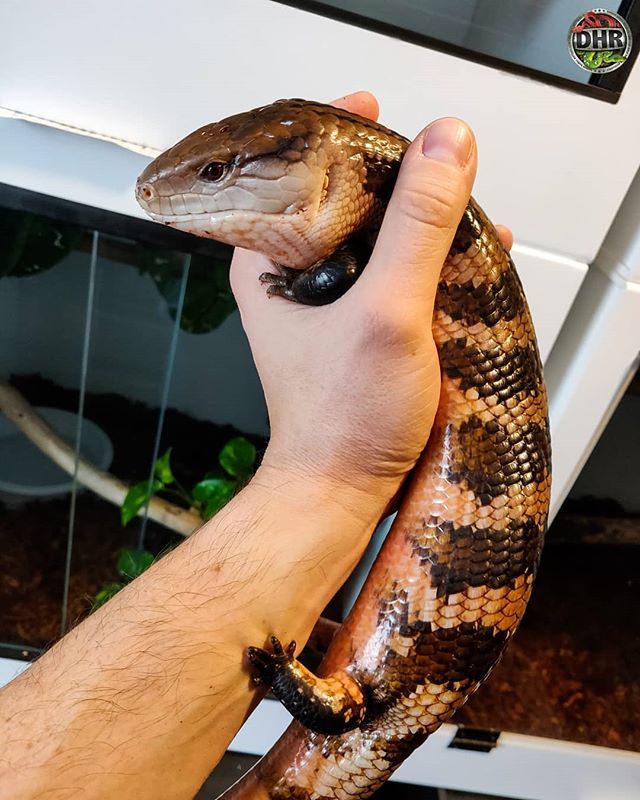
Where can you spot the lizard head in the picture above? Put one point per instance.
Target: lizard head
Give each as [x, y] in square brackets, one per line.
[288, 180]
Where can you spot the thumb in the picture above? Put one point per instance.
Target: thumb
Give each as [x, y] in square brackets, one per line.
[429, 198]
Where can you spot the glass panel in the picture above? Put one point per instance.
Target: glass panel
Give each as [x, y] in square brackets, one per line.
[176, 305]
[147, 344]
[528, 33]
[83, 436]
[130, 364]
[215, 394]
[44, 284]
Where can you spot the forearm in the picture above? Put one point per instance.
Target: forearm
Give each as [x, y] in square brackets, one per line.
[143, 697]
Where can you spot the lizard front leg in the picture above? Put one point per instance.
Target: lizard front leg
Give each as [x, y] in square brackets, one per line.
[321, 283]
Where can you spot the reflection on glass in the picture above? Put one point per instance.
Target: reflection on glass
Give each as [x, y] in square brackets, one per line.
[530, 33]
[129, 364]
[139, 353]
[44, 274]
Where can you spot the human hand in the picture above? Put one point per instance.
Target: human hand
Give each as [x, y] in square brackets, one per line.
[352, 387]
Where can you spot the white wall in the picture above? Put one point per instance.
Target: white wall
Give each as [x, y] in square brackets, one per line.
[150, 72]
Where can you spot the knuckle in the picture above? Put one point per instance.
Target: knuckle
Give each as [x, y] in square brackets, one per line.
[432, 204]
[383, 328]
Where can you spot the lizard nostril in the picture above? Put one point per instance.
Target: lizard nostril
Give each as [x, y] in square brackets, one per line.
[146, 192]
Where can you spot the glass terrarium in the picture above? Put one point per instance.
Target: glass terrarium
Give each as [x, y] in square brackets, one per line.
[126, 389]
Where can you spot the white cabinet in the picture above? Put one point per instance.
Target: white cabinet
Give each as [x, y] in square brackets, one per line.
[147, 74]
[523, 767]
[597, 351]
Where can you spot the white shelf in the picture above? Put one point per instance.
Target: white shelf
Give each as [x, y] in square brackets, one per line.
[10, 668]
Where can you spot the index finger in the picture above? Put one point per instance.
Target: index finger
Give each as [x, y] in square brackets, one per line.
[362, 103]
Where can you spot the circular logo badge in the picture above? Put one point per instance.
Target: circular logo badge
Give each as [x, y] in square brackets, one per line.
[600, 41]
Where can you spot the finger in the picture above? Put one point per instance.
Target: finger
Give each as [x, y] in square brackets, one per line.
[244, 276]
[429, 198]
[363, 103]
[506, 236]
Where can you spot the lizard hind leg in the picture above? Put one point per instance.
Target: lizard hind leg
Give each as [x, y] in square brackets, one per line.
[325, 705]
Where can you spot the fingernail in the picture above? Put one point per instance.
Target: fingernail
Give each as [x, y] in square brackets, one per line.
[448, 140]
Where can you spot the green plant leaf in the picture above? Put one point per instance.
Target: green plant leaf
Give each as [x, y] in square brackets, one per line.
[237, 457]
[30, 244]
[163, 468]
[106, 593]
[213, 494]
[208, 300]
[136, 498]
[132, 562]
[211, 508]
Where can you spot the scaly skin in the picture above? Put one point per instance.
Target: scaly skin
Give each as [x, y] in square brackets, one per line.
[453, 579]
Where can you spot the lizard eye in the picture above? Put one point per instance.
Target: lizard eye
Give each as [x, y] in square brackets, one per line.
[213, 171]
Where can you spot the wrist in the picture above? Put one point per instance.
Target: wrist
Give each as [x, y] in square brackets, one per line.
[361, 501]
[295, 539]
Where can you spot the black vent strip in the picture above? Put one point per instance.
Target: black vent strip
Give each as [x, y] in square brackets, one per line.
[19, 652]
[110, 222]
[606, 87]
[477, 739]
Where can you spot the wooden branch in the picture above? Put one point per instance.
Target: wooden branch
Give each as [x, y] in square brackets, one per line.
[107, 486]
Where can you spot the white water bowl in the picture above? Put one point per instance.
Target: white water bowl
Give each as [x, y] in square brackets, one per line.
[26, 473]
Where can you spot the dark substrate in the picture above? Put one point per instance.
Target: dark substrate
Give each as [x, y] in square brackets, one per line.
[573, 669]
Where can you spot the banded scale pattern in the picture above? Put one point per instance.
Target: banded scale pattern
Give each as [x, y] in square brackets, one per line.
[453, 579]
